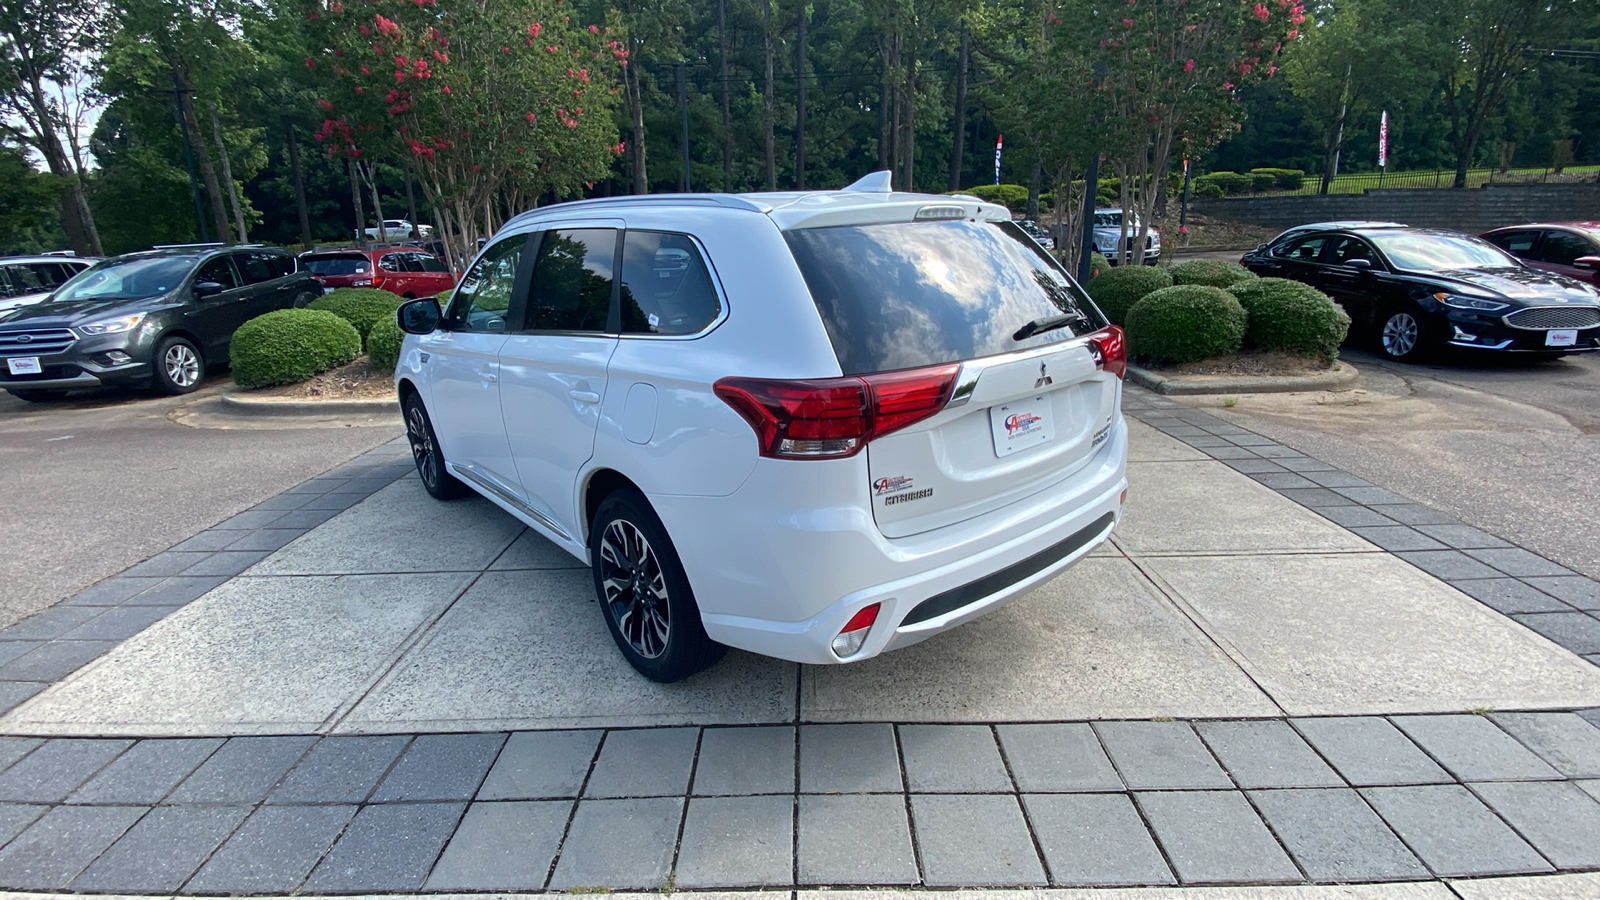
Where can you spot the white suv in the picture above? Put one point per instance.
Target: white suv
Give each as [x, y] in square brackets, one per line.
[817, 426]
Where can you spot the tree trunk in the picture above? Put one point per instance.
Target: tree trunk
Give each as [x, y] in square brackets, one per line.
[910, 147]
[1035, 173]
[885, 106]
[299, 189]
[411, 201]
[76, 218]
[959, 122]
[355, 204]
[800, 103]
[727, 118]
[208, 173]
[895, 103]
[227, 174]
[766, 97]
[635, 100]
[369, 173]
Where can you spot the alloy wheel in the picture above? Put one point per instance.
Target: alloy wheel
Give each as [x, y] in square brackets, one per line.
[422, 447]
[635, 588]
[182, 365]
[1400, 334]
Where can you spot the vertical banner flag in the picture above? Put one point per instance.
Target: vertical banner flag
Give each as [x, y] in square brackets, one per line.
[1383, 140]
[998, 143]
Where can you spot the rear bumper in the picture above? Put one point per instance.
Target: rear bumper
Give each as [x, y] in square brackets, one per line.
[783, 584]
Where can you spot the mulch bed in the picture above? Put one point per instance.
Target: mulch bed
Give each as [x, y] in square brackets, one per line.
[1252, 364]
[357, 380]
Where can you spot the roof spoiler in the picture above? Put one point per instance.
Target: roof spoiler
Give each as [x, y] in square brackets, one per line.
[881, 182]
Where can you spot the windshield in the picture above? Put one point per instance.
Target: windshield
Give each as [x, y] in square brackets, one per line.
[126, 279]
[348, 264]
[1428, 252]
[913, 294]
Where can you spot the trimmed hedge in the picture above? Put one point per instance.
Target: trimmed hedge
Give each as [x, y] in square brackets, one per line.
[1229, 182]
[289, 345]
[1205, 190]
[1210, 272]
[1291, 316]
[359, 306]
[1013, 196]
[383, 343]
[1262, 181]
[1116, 290]
[1185, 323]
[1284, 179]
[1098, 264]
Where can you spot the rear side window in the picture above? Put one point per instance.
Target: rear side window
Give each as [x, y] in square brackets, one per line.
[665, 286]
[25, 280]
[429, 263]
[1306, 249]
[342, 264]
[571, 287]
[256, 267]
[910, 294]
[281, 264]
[1518, 243]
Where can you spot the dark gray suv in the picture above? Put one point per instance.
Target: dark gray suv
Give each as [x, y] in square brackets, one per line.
[158, 319]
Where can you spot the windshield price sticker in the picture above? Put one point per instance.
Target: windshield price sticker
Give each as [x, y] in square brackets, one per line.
[1561, 337]
[1020, 425]
[24, 365]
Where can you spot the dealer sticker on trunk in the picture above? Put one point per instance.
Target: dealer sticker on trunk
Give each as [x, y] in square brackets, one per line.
[1020, 425]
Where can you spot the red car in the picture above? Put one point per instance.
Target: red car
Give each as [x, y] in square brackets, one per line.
[1566, 248]
[400, 270]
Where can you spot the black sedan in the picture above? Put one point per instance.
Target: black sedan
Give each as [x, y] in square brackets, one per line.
[1418, 289]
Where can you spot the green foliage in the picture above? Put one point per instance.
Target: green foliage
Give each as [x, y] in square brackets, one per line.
[290, 345]
[1262, 181]
[1205, 190]
[1116, 291]
[1013, 196]
[29, 203]
[383, 343]
[1098, 264]
[1185, 323]
[1292, 317]
[359, 306]
[1282, 179]
[1230, 182]
[1211, 272]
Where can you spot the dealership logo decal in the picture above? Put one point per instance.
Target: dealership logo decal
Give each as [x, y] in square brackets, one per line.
[1021, 423]
[891, 484]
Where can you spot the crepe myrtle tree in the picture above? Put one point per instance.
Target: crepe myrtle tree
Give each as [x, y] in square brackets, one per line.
[1170, 71]
[495, 104]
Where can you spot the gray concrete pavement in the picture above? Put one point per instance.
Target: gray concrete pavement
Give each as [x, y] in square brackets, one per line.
[97, 483]
[1508, 446]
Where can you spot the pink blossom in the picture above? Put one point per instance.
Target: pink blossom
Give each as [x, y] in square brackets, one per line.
[594, 29]
[533, 30]
[1127, 23]
[311, 63]
[446, 89]
[1293, 33]
[1260, 12]
[1188, 66]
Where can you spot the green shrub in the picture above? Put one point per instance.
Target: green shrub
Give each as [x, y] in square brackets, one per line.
[1013, 196]
[289, 345]
[358, 306]
[1291, 316]
[1262, 181]
[383, 343]
[1229, 182]
[1116, 290]
[1098, 264]
[1285, 179]
[1185, 323]
[1211, 272]
[1205, 190]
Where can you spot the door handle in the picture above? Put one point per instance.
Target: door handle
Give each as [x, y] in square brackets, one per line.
[487, 376]
[584, 396]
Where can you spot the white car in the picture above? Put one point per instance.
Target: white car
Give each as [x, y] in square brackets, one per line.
[817, 426]
[25, 280]
[1108, 235]
[397, 230]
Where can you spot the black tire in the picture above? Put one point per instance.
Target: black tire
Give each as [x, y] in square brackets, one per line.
[38, 395]
[178, 367]
[436, 478]
[1405, 334]
[301, 300]
[643, 591]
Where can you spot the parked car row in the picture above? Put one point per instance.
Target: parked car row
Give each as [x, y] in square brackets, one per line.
[1415, 290]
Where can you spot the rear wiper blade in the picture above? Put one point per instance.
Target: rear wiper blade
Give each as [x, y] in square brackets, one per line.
[1048, 323]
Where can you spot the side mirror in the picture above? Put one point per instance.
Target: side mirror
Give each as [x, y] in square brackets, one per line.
[1587, 262]
[1360, 265]
[207, 288]
[420, 316]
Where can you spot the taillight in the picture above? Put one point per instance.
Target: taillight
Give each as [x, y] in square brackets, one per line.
[832, 418]
[854, 633]
[1110, 350]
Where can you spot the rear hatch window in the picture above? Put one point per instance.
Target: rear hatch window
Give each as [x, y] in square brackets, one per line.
[908, 294]
[337, 264]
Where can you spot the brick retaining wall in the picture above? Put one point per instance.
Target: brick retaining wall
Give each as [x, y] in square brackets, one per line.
[1475, 209]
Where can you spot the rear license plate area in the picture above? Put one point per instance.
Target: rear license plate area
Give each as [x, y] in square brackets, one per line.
[1020, 425]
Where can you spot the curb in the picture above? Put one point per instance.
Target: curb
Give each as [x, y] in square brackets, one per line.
[1344, 379]
[233, 402]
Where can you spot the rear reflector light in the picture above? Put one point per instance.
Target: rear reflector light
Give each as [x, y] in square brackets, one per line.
[1110, 350]
[854, 633]
[832, 418]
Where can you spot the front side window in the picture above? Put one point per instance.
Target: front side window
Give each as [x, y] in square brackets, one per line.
[665, 286]
[909, 294]
[1563, 248]
[480, 302]
[1306, 249]
[571, 287]
[220, 271]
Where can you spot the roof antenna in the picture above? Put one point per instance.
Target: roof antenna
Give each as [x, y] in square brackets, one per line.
[876, 183]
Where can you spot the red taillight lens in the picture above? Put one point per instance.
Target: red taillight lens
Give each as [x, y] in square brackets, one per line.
[831, 418]
[1111, 350]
